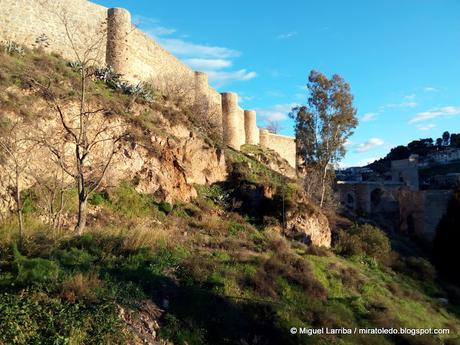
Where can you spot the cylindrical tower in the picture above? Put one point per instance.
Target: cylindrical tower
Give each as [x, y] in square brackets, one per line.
[231, 122]
[201, 91]
[250, 127]
[118, 29]
[264, 137]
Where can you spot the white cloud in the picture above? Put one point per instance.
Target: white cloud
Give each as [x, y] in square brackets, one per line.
[368, 145]
[402, 105]
[160, 31]
[274, 93]
[277, 112]
[435, 113]
[347, 143]
[368, 117]
[211, 59]
[243, 98]
[430, 89]
[426, 127]
[410, 97]
[183, 48]
[152, 26]
[208, 64]
[278, 74]
[220, 78]
[286, 35]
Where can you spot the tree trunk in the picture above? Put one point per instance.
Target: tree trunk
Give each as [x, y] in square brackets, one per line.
[323, 190]
[81, 218]
[19, 209]
[82, 198]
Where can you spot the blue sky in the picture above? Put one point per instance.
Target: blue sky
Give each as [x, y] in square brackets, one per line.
[401, 58]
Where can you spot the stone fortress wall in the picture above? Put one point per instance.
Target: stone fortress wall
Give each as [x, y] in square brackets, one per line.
[135, 55]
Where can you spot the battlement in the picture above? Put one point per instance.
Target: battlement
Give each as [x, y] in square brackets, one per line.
[117, 43]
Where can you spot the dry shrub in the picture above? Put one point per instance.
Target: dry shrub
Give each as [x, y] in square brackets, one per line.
[212, 224]
[142, 237]
[318, 251]
[80, 287]
[291, 267]
[415, 267]
[198, 268]
[402, 292]
[349, 277]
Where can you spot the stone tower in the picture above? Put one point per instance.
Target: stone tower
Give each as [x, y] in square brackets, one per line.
[232, 121]
[264, 137]
[250, 127]
[118, 29]
[201, 91]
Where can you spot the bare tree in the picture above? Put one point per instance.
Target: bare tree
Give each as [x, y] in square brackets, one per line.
[51, 187]
[273, 126]
[179, 93]
[85, 130]
[15, 154]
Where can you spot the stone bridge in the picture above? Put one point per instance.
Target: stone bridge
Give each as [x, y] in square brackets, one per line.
[369, 197]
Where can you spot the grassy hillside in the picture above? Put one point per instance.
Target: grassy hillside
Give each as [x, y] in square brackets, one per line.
[213, 271]
[218, 278]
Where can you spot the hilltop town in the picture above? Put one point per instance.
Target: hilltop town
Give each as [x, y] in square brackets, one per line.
[414, 192]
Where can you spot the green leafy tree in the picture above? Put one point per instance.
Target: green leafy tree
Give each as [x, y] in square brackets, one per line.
[455, 140]
[323, 126]
[445, 138]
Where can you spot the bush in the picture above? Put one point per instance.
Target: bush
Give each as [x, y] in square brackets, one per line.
[75, 257]
[295, 270]
[80, 287]
[126, 201]
[35, 270]
[416, 267]
[98, 198]
[165, 207]
[36, 318]
[364, 240]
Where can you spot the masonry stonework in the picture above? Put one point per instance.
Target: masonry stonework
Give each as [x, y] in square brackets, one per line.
[118, 30]
[201, 88]
[134, 55]
[24, 20]
[284, 145]
[250, 127]
[231, 120]
[264, 137]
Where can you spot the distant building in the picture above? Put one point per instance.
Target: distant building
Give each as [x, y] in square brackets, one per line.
[444, 156]
[406, 171]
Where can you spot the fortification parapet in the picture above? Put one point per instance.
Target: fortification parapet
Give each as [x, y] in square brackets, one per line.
[201, 90]
[118, 29]
[250, 127]
[232, 121]
[264, 137]
[284, 145]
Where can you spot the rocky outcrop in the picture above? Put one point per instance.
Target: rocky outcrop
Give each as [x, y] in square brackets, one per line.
[168, 167]
[165, 162]
[312, 228]
[270, 158]
[142, 323]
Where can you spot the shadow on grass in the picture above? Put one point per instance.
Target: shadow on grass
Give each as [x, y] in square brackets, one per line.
[198, 316]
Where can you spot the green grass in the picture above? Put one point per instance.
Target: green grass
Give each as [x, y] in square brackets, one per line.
[221, 274]
[215, 290]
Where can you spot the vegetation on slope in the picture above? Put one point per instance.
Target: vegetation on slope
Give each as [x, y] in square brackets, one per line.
[217, 279]
[215, 271]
